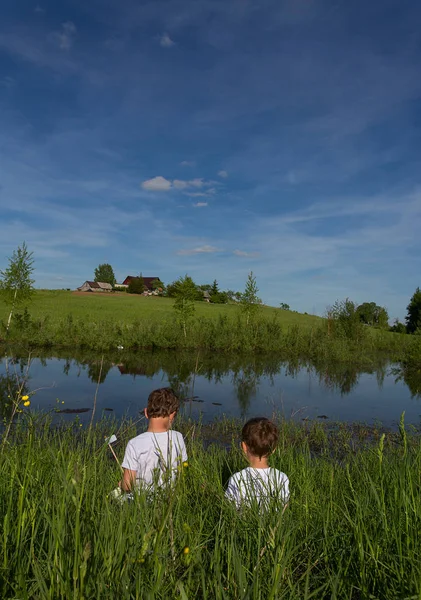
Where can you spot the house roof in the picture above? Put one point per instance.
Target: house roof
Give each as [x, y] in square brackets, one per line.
[104, 286]
[98, 285]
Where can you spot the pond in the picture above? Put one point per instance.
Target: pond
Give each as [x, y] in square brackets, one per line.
[213, 385]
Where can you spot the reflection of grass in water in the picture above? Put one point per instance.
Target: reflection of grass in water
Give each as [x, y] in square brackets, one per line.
[351, 531]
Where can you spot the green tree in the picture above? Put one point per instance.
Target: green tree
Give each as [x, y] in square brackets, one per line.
[371, 314]
[157, 284]
[185, 293]
[136, 285]
[16, 283]
[105, 274]
[413, 317]
[250, 302]
[284, 306]
[344, 321]
[397, 327]
[214, 288]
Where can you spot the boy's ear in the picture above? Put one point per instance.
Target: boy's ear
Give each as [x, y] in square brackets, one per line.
[145, 410]
[172, 415]
[244, 447]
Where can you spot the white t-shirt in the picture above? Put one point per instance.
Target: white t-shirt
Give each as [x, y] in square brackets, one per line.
[155, 456]
[258, 485]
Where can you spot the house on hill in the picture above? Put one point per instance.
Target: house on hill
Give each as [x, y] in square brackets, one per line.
[146, 280]
[95, 286]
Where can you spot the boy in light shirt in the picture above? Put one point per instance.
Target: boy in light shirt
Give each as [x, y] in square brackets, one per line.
[152, 458]
[259, 483]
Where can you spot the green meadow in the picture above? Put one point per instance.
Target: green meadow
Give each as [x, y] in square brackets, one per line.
[105, 322]
[351, 531]
[121, 307]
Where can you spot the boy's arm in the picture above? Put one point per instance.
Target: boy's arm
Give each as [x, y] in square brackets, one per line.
[129, 478]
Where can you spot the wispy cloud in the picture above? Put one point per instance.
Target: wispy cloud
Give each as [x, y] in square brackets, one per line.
[188, 163]
[165, 41]
[66, 36]
[181, 184]
[199, 250]
[187, 187]
[200, 204]
[223, 174]
[246, 254]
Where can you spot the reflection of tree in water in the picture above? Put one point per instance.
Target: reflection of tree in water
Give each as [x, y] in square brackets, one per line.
[411, 375]
[98, 370]
[245, 384]
[344, 379]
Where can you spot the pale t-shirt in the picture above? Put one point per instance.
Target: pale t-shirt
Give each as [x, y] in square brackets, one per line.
[262, 486]
[155, 456]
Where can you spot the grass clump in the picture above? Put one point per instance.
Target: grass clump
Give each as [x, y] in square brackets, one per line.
[352, 529]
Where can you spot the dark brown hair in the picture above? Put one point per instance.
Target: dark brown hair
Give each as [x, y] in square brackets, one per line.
[162, 403]
[260, 436]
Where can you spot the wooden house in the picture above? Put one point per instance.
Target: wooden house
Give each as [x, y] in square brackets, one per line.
[95, 286]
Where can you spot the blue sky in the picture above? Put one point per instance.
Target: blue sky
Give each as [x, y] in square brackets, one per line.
[216, 137]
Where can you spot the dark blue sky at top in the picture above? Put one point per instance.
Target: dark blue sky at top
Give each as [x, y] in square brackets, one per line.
[216, 137]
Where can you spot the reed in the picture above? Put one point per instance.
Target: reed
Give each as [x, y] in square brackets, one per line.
[352, 529]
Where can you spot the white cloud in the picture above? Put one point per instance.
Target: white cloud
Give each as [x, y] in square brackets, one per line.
[65, 38]
[223, 174]
[200, 250]
[157, 184]
[39, 9]
[246, 254]
[188, 163]
[165, 41]
[198, 204]
[180, 184]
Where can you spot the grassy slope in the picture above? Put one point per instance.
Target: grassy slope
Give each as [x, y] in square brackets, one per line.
[127, 307]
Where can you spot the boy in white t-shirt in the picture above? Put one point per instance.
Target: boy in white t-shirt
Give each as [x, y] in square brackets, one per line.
[152, 458]
[259, 483]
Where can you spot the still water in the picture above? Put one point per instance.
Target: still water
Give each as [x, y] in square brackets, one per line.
[214, 385]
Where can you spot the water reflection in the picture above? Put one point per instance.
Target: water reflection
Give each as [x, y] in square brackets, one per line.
[245, 378]
[411, 375]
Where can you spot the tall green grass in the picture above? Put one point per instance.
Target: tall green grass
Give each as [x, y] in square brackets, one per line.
[352, 530]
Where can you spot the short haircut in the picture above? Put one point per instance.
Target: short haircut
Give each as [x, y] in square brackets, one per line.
[162, 402]
[260, 436]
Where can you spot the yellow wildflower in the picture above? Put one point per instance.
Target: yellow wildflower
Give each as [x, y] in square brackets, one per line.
[27, 403]
[24, 398]
[186, 550]
[185, 464]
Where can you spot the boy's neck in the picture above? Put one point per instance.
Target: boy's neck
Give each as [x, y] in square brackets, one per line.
[159, 424]
[258, 463]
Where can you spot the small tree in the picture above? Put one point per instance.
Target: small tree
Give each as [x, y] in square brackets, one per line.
[16, 283]
[344, 321]
[185, 293]
[284, 306]
[413, 317]
[105, 274]
[157, 284]
[250, 302]
[136, 285]
[397, 327]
